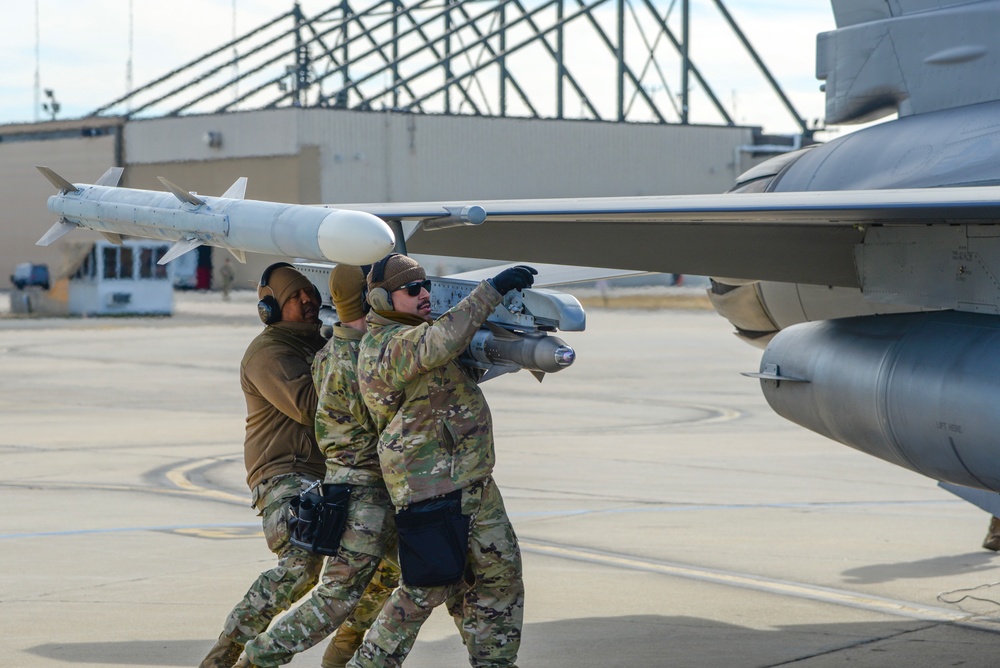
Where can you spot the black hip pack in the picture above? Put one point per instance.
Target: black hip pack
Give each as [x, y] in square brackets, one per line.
[318, 518]
[433, 541]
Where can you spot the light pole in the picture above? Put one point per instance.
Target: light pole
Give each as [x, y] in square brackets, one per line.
[52, 106]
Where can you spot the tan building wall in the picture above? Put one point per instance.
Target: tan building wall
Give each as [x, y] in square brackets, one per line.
[374, 156]
[24, 191]
[314, 156]
[286, 178]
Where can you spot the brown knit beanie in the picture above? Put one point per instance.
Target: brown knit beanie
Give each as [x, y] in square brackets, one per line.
[347, 282]
[282, 284]
[399, 270]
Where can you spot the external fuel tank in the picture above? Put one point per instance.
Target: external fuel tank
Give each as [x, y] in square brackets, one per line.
[916, 389]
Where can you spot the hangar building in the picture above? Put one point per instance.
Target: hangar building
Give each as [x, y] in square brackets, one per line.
[348, 144]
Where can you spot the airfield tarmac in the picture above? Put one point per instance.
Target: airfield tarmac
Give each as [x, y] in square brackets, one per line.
[666, 516]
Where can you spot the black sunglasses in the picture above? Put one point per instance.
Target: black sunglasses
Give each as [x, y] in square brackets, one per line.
[413, 288]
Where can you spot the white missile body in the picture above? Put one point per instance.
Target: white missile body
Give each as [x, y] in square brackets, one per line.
[231, 222]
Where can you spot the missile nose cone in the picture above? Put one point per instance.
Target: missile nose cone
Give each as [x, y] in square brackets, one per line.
[354, 237]
[565, 356]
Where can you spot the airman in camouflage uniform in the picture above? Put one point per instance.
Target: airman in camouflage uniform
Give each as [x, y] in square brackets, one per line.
[346, 434]
[436, 437]
[280, 451]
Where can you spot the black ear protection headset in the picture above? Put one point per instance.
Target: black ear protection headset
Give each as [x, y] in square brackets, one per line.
[379, 298]
[268, 307]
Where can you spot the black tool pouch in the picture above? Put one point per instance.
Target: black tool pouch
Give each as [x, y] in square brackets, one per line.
[433, 541]
[319, 515]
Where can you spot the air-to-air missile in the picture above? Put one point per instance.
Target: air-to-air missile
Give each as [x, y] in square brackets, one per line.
[499, 350]
[518, 333]
[229, 221]
[516, 336]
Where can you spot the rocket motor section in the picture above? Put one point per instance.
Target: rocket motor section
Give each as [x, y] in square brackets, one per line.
[917, 390]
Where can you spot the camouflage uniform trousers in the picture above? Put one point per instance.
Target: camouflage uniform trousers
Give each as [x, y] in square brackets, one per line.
[348, 637]
[369, 534]
[296, 573]
[491, 609]
[386, 579]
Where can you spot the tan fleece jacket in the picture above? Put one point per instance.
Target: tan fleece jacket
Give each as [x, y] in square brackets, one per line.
[281, 402]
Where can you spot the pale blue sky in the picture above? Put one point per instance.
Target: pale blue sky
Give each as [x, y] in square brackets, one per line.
[84, 50]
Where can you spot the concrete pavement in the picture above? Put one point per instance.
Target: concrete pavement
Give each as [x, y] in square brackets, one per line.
[667, 517]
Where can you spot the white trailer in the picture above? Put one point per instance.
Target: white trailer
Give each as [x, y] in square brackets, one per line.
[123, 280]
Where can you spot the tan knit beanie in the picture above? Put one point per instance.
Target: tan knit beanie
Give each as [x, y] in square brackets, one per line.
[282, 284]
[399, 270]
[347, 282]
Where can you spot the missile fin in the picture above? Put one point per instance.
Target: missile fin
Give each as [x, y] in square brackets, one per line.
[179, 248]
[180, 193]
[772, 372]
[239, 254]
[497, 370]
[500, 333]
[540, 375]
[59, 182]
[56, 232]
[409, 227]
[110, 178]
[113, 237]
[238, 190]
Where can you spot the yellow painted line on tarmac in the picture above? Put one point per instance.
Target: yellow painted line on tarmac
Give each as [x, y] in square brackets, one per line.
[216, 533]
[178, 476]
[830, 595]
[724, 414]
[764, 584]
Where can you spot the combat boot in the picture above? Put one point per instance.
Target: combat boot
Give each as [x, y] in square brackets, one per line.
[342, 647]
[223, 655]
[992, 541]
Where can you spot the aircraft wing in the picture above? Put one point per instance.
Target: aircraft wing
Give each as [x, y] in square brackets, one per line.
[793, 237]
[550, 274]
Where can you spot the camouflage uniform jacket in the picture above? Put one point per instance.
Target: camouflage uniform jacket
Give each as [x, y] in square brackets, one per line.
[281, 402]
[436, 432]
[345, 430]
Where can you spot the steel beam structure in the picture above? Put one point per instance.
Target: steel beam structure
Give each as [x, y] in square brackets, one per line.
[584, 59]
